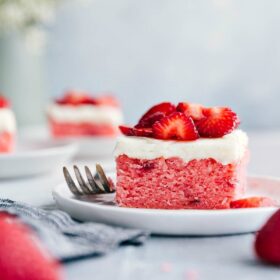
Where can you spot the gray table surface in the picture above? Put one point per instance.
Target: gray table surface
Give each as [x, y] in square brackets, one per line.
[186, 258]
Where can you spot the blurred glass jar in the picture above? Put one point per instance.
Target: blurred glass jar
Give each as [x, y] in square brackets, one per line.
[22, 75]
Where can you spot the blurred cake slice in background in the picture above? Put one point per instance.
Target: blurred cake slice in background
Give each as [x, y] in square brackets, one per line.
[7, 126]
[79, 114]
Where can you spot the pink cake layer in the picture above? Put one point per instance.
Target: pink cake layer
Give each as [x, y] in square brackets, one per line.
[6, 142]
[171, 183]
[62, 129]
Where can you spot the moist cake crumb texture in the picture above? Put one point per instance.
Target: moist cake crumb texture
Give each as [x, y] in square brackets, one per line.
[174, 184]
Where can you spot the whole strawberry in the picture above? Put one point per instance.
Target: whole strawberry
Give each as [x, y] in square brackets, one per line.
[267, 243]
[21, 256]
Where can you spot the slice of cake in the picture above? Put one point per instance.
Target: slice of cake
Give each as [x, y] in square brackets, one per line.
[79, 114]
[7, 127]
[184, 157]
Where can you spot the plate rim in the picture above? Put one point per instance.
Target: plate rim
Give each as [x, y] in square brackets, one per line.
[47, 151]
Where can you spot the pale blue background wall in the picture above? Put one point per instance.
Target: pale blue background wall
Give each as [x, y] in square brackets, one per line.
[210, 51]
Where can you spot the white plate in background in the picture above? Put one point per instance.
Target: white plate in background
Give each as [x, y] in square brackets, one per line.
[102, 209]
[35, 157]
[108, 164]
[93, 147]
[88, 147]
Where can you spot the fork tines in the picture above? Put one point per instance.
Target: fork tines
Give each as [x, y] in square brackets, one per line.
[97, 184]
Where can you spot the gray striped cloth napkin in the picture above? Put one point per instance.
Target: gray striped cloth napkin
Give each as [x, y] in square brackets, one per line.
[68, 239]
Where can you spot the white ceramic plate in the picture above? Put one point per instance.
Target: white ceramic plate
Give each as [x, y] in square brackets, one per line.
[102, 209]
[35, 157]
[108, 164]
[94, 147]
[88, 147]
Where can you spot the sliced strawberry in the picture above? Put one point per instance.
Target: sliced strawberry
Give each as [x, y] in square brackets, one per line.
[132, 131]
[175, 126]
[84, 98]
[89, 101]
[150, 120]
[76, 98]
[4, 103]
[218, 122]
[126, 130]
[156, 113]
[267, 243]
[192, 110]
[253, 202]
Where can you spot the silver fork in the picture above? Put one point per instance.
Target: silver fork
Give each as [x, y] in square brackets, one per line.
[97, 184]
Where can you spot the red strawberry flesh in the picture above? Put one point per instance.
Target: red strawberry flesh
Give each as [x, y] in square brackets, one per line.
[267, 242]
[218, 121]
[192, 110]
[189, 122]
[252, 202]
[176, 126]
[156, 113]
[132, 131]
[75, 98]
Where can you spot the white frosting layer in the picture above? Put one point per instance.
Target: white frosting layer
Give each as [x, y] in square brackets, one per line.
[7, 120]
[85, 113]
[227, 149]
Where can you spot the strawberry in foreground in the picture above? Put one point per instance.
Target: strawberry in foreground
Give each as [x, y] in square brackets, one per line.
[175, 126]
[218, 121]
[21, 257]
[252, 202]
[156, 113]
[267, 243]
